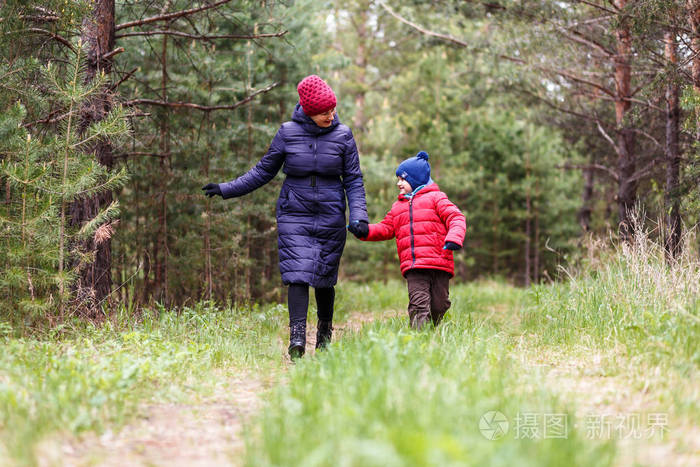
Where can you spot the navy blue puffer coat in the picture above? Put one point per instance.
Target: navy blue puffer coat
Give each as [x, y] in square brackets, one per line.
[322, 168]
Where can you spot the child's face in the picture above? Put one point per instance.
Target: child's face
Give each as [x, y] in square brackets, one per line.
[404, 186]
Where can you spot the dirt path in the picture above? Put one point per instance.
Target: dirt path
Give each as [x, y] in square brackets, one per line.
[173, 434]
[207, 433]
[210, 432]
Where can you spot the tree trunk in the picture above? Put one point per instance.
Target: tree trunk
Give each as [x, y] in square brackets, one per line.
[536, 260]
[626, 157]
[162, 260]
[95, 280]
[528, 222]
[208, 212]
[694, 20]
[360, 121]
[673, 159]
[584, 214]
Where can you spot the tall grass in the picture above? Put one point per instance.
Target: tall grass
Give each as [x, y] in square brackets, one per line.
[82, 378]
[389, 395]
[626, 296]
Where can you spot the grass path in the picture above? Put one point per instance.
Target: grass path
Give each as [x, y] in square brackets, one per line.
[206, 431]
[200, 433]
[384, 395]
[611, 397]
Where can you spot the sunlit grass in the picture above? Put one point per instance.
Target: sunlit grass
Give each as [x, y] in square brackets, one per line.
[389, 395]
[80, 379]
[628, 296]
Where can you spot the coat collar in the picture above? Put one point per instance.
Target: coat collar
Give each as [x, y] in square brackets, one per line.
[308, 125]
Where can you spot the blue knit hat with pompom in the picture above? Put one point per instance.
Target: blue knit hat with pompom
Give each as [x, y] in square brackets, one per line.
[415, 170]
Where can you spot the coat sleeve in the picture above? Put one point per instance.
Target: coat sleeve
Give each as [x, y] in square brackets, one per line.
[453, 219]
[264, 171]
[384, 230]
[352, 181]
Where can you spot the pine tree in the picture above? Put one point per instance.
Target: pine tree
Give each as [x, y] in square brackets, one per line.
[43, 173]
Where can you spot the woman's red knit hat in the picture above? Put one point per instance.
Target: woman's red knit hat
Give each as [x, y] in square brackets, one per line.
[315, 96]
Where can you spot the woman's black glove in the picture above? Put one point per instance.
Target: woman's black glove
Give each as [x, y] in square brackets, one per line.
[451, 246]
[212, 189]
[359, 229]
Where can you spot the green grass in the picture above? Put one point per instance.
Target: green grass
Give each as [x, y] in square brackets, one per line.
[629, 298]
[386, 395]
[641, 315]
[85, 378]
[393, 396]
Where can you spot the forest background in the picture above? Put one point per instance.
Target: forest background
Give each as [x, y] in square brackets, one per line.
[547, 122]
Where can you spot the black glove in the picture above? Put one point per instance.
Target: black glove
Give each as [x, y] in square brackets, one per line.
[359, 229]
[212, 189]
[451, 246]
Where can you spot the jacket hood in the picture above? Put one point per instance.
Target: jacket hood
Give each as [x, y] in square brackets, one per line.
[431, 186]
[309, 126]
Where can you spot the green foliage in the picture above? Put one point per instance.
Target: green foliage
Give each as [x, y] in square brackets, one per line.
[43, 173]
[487, 151]
[511, 172]
[174, 243]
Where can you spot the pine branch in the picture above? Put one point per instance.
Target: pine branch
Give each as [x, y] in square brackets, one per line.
[54, 36]
[169, 32]
[203, 108]
[600, 7]
[111, 54]
[124, 78]
[141, 154]
[169, 16]
[576, 36]
[107, 214]
[601, 168]
[563, 73]
[427, 32]
[117, 180]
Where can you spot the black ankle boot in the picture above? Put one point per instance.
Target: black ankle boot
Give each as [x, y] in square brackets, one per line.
[297, 340]
[323, 334]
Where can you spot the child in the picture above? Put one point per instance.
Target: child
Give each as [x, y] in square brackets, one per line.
[427, 227]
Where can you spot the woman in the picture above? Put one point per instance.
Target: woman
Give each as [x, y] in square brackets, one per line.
[319, 156]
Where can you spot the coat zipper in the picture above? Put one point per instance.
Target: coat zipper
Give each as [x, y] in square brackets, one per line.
[410, 217]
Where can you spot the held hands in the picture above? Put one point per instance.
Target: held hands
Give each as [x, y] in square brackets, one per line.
[451, 246]
[212, 189]
[359, 229]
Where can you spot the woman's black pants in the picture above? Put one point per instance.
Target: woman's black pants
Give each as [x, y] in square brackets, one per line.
[298, 301]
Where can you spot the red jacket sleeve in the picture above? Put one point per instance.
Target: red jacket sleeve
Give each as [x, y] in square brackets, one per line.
[384, 230]
[453, 219]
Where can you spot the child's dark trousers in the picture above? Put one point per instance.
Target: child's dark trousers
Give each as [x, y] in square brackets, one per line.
[428, 296]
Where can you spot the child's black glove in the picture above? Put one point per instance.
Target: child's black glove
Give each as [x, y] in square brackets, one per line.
[212, 189]
[359, 229]
[451, 246]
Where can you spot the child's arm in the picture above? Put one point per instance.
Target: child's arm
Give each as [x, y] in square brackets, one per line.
[384, 230]
[453, 219]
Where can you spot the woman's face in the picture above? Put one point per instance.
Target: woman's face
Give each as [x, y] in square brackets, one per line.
[325, 119]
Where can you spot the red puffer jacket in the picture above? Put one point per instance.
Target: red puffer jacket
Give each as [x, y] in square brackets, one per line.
[421, 226]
